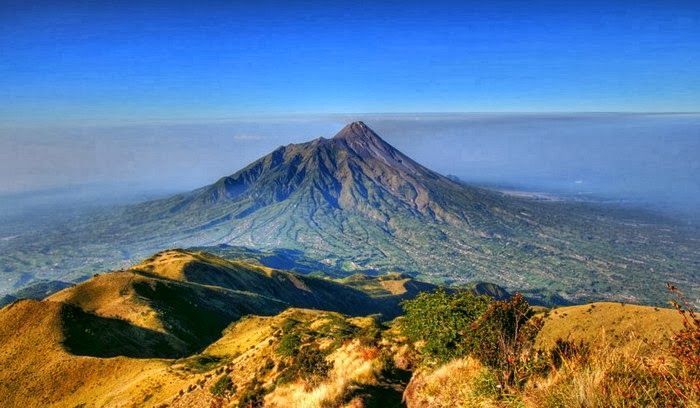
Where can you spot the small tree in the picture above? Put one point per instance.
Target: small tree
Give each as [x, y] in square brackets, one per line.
[506, 334]
[252, 396]
[685, 344]
[311, 365]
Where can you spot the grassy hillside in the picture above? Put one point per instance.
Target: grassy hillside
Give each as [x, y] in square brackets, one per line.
[131, 337]
[179, 301]
[177, 317]
[259, 358]
[254, 360]
[615, 324]
[37, 370]
[189, 329]
[594, 355]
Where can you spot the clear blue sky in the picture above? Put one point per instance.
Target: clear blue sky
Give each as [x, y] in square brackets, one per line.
[102, 61]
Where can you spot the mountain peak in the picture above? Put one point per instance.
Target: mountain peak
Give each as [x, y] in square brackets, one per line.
[364, 141]
[356, 130]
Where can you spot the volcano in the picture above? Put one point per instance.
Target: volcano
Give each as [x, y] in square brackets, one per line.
[354, 203]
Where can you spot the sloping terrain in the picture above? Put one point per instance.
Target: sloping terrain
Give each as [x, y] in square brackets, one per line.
[175, 318]
[259, 359]
[613, 355]
[37, 370]
[177, 302]
[355, 203]
[615, 324]
[105, 344]
[147, 335]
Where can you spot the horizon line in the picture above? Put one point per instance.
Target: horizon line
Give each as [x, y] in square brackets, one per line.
[315, 116]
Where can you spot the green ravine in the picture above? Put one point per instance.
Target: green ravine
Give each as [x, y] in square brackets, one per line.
[354, 203]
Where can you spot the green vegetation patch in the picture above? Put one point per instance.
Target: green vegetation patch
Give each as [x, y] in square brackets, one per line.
[223, 386]
[443, 322]
[203, 362]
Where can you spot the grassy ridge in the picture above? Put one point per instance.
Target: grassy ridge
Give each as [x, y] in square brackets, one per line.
[185, 329]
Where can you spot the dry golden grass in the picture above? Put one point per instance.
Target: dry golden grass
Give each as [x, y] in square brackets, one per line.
[168, 264]
[612, 376]
[37, 371]
[390, 284]
[112, 295]
[248, 348]
[614, 324]
[242, 335]
[628, 365]
[155, 296]
[244, 349]
[353, 365]
[395, 287]
[171, 264]
[452, 385]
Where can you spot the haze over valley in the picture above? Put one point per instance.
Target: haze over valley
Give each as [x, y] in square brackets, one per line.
[647, 160]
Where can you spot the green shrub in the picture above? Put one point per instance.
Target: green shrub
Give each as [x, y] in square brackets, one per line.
[369, 335]
[486, 384]
[252, 396]
[289, 344]
[339, 329]
[288, 324]
[223, 386]
[500, 334]
[268, 366]
[443, 321]
[309, 363]
[202, 363]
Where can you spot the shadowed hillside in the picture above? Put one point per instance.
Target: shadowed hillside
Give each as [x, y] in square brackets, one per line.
[189, 329]
[177, 302]
[173, 305]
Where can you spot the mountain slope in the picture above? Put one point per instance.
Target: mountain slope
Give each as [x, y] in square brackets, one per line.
[177, 302]
[39, 371]
[356, 203]
[262, 356]
[125, 337]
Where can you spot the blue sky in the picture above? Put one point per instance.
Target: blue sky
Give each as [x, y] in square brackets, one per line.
[114, 62]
